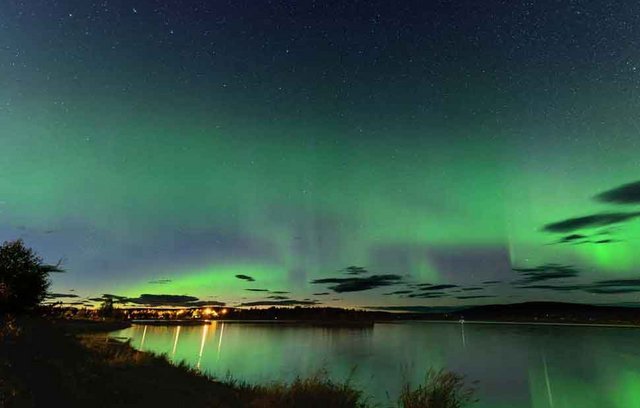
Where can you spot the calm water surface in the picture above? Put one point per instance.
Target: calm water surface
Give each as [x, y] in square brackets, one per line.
[515, 366]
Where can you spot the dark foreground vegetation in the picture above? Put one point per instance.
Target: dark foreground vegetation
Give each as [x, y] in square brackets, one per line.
[69, 363]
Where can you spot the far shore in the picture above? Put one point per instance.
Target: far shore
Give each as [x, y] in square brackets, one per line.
[531, 323]
[199, 322]
[343, 323]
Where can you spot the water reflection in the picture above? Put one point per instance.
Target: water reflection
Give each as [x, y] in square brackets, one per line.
[205, 329]
[516, 366]
[547, 381]
[220, 340]
[175, 343]
[464, 340]
[144, 335]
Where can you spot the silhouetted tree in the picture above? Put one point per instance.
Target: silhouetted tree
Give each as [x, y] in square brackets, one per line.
[24, 279]
[106, 308]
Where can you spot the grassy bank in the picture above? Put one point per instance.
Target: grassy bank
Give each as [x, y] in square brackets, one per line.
[65, 363]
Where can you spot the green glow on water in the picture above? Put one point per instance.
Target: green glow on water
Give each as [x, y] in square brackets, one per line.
[578, 367]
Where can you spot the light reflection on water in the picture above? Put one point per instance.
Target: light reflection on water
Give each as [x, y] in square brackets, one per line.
[516, 366]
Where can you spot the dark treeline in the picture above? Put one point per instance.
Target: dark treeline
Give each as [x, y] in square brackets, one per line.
[549, 312]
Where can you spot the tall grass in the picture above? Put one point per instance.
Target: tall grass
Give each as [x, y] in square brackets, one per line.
[316, 391]
[441, 389]
[10, 387]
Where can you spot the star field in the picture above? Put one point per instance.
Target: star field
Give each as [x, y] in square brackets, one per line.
[169, 147]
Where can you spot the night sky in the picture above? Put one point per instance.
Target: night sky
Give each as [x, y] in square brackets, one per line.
[343, 153]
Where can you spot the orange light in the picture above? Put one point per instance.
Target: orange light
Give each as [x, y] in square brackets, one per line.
[224, 311]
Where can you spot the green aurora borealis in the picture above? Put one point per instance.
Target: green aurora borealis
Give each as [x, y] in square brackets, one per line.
[194, 144]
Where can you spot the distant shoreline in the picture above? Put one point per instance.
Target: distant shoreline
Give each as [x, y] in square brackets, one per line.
[496, 322]
[301, 322]
[338, 323]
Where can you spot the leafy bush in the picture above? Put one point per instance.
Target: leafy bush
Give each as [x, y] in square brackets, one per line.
[24, 279]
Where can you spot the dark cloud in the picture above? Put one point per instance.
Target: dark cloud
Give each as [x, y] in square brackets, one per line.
[559, 288]
[159, 300]
[419, 285]
[579, 239]
[618, 282]
[606, 241]
[321, 293]
[359, 284]
[624, 194]
[355, 270]
[429, 295]
[612, 286]
[546, 272]
[490, 282]
[589, 221]
[474, 297]
[115, 298]
[438, 287]
[585, 288]
[163, 300]
[257, 290]
[245, 277]
[96, 299]
[202, 303]
[160, 281]
[279, 292]
[571, 238]
[470, 289]
[60, 295]
[605, 291]
[398, 292]
[289, 302]
[277, 297]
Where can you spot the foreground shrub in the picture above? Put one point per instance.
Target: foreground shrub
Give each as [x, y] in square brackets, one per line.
[441, 389]
[9, 328]
[24, 278]
[317, 391]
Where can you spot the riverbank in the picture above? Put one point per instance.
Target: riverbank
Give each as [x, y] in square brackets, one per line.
[68, 363]
[72, 363]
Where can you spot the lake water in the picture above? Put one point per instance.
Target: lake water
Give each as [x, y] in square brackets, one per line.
[515, 365]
